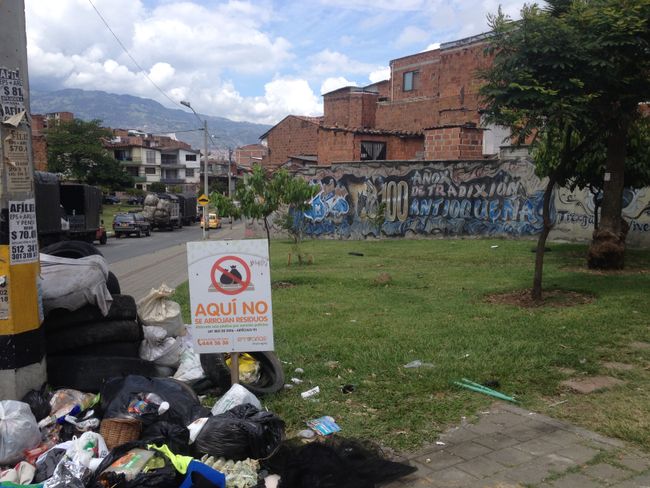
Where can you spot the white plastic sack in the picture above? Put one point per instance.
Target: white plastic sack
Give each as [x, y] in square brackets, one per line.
[190, 368]
[237, 395]
[72, 283]
[157, 309]
[159, 348]
[18, 431]
[151, 200]
[88, 450]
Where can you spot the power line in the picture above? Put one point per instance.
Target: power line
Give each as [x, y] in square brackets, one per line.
[130, 56]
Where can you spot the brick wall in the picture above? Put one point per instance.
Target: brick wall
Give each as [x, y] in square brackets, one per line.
[292, 136]
[427, 66]
[410, 115]
[250, 155]
[39, 152]
[452, 143]
[335, 145]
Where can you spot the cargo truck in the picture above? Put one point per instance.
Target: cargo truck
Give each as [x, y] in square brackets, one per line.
[187, 203]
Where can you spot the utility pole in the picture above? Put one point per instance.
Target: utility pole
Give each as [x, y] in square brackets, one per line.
[229, 181]
[22, 345]
[206, 223]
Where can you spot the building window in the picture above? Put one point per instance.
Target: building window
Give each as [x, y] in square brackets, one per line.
[411, 81]
[151, 157]
[373, 151]
[189, 172]
[150, 171]
[190, 157]
[133, 170]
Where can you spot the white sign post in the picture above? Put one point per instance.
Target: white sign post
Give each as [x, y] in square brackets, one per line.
[230, 297]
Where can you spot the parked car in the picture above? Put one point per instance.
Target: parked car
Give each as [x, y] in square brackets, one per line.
[110, 200]
[126, 224]
[214, 222]
[134, 200]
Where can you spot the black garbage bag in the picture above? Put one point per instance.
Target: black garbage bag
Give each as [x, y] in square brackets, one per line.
[177, 437]
[165, 477]
[39, 402]
[241, 432]
[335, 463]
[47, 464]
[184, 406]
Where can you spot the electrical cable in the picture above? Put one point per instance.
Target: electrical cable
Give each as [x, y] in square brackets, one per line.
[130, 56]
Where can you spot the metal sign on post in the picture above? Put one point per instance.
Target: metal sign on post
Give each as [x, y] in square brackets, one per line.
[203, 200]
[230, 297]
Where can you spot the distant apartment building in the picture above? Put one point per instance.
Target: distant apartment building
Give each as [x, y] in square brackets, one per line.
[40, 123]
[151, 158]
[429, 109]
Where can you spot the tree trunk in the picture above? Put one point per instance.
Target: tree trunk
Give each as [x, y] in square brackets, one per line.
[536, 292]
[607, 250]
[268, 234]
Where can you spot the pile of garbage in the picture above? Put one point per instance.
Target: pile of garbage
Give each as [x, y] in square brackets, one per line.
[112, 415]
[156, 209]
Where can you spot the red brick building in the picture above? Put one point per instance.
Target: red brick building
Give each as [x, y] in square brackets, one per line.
[39, 143]
[247, 156]
[428, 109]
[293, 136]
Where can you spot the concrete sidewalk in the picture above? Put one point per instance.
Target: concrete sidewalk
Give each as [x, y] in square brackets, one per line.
[511, 447]
[138, 275]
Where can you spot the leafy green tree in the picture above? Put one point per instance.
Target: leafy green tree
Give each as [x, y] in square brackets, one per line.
[224, 205]
[261, 194]
[76, 150]
[157, 187]
[575, 71]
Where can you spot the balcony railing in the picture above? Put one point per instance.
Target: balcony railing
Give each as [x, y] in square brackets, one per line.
[172, 181]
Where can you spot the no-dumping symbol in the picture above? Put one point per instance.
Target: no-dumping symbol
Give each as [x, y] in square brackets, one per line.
[230, 275]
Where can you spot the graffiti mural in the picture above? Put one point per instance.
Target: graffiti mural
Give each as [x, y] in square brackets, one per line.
[426, 199]
[491, 198]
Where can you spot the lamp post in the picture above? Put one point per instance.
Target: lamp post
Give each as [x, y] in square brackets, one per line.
[205, 166]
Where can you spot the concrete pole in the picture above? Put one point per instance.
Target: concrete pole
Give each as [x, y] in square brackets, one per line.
[22, 346]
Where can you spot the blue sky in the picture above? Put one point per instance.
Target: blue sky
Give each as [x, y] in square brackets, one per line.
[245, 60]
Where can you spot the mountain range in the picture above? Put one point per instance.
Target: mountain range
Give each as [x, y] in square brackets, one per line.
[129, 112]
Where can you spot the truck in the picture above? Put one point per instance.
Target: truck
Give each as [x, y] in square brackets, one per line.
[162, 211]
[187, 209]
[67, 211]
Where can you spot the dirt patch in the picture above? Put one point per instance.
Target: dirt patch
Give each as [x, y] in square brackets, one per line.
[383, 279]
[282, 284]
[592, 384]
[611, 272]
[550, 298]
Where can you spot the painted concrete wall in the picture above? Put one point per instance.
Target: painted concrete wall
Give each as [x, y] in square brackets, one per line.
[469, 198]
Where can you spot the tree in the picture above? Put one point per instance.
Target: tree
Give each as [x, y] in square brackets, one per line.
[261, 194]
[157, 187]
[579, 69]
[75, 149]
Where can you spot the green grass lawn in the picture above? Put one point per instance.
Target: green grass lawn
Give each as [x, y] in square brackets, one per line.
[342, 325]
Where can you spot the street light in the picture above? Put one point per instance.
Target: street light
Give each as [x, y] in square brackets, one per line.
[205, 166]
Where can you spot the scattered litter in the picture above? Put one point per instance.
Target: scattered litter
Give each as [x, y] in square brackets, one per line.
[310, 393]
[324, 425]
[583, 361]
[428, 460]
[440, 443]
[240, 474]
[307, 434]
[348, 388]
[332, 364]
[296, 381]
[355, 253]
[558, 403]
[288, 386]
[464, 356]
[299, 370]
[236, 395]
[353, 320]
[470, 385]
[418, 364]
[494, 247]
[328, 313]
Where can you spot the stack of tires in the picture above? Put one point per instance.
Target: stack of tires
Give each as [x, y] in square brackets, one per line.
[84, 348]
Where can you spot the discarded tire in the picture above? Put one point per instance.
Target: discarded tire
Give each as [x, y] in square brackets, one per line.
[122, 308]
[122, 349]
[86, 373]
[90, 334]
[71, 249]
[271, 372]
[113, 284]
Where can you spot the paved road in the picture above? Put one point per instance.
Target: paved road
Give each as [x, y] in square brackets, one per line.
[129, 247]
[158, 259]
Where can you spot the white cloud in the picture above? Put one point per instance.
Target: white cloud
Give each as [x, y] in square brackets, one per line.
[331, 84]
[411, 35]
[328, 62]
[380, 74]
[431, 47]
[403, 5]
